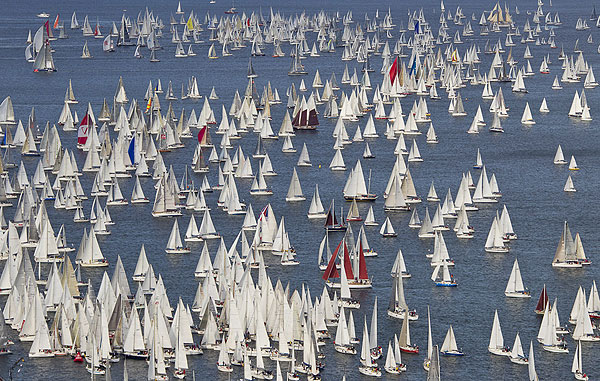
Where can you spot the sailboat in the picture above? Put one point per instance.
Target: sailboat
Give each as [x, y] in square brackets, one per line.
[544, 107]
[449, 347]
[398, 306]
[305, 116]
[573, 164]
[41, 346]
[153, 57]
[355, 188]
[367, 366]
[415, 221]
[224, 362]
[515, 287]
[548, 335]
[342, 342]
[542, 301]
[445, 279]
[566, 252]
[559, 158]
[304, 159]
[404, 341]
[331, 221]
[353, 213]
[393, 360]
[43, 60]
[387, 230]
[89, 254]
[212, 52]
[569, 186]
[433, 372]
[576, 368]
[137, 195]
[164, 201]
[316, 209]
[181, 363]
[355, 270]
[175, 245]
[517, 356]
[527, 118]
[531, 364]
[86, 51]
[494, 242]
[496, 345]
[295, 190]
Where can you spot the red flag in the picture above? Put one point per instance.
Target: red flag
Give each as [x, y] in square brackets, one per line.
[394, 71]
[201, 134]
[84, 130]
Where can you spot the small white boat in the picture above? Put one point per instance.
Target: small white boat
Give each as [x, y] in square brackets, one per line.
[573, 164]
[387, 230]
[449, 347]
[576, 368]
[559, 158]
[517, 356]
[515, 287]
[496, 345]
[569, 186]
[175, 245]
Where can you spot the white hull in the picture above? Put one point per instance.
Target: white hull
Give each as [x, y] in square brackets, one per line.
[345, 349]
[41, 355]
[496, 249]
[517, 294]
[519, 360]
[94, 264]
[567, 265]
[499, 351]
[183, 250]
[174, 213]
[370, 371]
[555, 349]
[351, 284]
[400, 315]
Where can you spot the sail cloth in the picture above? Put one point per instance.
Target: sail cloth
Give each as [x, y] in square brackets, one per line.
[201, 134]
[394, 71]
[84, 130]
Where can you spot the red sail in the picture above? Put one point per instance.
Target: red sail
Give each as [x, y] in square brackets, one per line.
[84, 130]
[201, 135]
[347, 263]
[313, 120]
[329, 221]
[394, 71]
[542, 301]
[362, 264]
[331, 271]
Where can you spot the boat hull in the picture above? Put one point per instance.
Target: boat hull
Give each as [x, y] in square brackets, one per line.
[351, 285]
[517, 294]
[519, 360]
